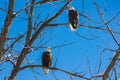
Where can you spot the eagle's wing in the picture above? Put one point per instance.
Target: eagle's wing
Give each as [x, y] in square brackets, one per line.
[73, 18]
[46, 59]
[76, 17]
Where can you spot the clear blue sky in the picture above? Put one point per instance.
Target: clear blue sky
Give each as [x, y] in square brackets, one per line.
[73, 57]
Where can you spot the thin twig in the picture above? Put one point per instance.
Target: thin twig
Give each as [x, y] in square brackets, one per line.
[108, 27]
[54, 75]
[31, 68]
[88, 64]
[115, 73]
[116, 15]
[3, 10]
[106, 49]
[83, 6]
[54, 47]
[21, 36]
[30, 22]
[79, 35]
[57, 59]
[99, 66]
[66, 44]
[88, 26]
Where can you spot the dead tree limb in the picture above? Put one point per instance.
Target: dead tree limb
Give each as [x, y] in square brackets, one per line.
[111, 65]
[6, 27]
[113, 61]
[53, 68]
[34, 37]
[30, 22]
[108, 27]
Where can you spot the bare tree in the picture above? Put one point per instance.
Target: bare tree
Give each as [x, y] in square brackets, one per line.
[37, 28]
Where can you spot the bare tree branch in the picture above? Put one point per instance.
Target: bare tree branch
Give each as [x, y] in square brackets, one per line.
[35, 39]
[30, 22]
[107, 49]
[83, 6]
[108, 27]
[25, 50]
[11, 46]
[57, 58]
[65, 44]
[88, 26]
[53, 68]
[115, 73]
[45, 1]
[116, 15]
[54, 75]
[111, 65]
[31, 68]
[79, 35]
[89, 69]
[97, 76]
[99, 66]
[6, 27]
[3, 10]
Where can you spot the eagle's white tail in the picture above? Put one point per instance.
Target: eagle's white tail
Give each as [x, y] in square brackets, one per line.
[46, 70]
[72, 29]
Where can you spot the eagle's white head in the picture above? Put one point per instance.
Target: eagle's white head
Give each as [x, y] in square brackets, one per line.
[70, 8]
[48, 49]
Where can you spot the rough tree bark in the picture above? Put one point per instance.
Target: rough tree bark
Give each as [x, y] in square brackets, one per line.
[7, 24]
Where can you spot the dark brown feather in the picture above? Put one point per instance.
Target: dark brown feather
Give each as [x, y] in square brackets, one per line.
[46, 59]
[73, 18]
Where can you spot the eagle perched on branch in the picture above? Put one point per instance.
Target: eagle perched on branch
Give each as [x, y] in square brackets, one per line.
[46, 60]
[73, 18]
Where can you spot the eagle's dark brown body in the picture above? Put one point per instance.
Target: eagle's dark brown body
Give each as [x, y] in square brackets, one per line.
[46, 61]
[73, 19]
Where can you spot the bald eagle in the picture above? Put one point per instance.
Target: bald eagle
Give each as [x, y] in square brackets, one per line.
[46, 60]
[73, 18]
